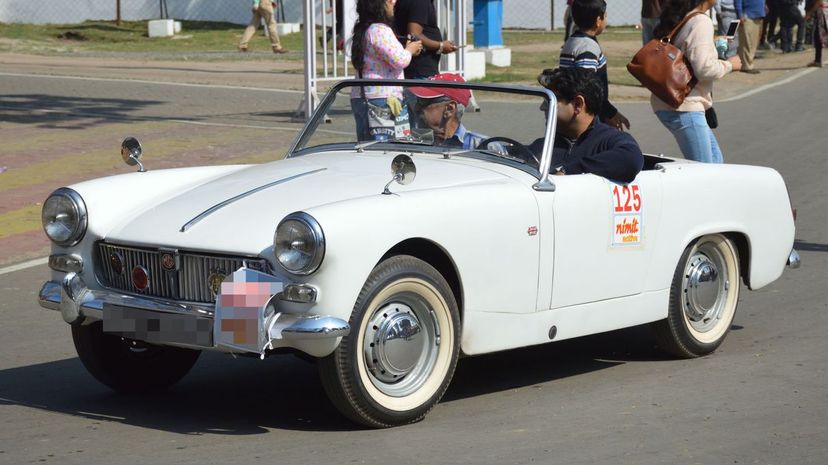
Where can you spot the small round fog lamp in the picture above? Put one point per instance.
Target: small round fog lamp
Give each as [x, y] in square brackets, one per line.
[116, 262]
[140, 278]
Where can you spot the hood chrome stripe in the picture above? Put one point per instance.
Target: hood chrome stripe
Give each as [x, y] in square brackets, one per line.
[223, 204]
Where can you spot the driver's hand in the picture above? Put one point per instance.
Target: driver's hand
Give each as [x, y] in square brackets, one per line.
[619, 121]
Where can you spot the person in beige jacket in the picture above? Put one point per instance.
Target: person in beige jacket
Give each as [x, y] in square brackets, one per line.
[687, 123]
[262, 9]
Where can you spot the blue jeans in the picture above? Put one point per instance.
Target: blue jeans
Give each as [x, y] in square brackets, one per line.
[647, 27]
[695, 138]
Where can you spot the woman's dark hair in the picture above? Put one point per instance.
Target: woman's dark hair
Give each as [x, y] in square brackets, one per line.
[672, 13]
[585, 12]
[568, 83]
[368, 13]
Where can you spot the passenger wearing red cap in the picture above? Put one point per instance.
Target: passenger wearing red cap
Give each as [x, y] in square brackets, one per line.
[441, 110]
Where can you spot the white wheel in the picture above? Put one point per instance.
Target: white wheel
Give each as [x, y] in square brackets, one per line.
[703, 298]
[403, 347]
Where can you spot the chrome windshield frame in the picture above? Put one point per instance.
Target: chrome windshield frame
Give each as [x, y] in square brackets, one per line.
[544, 184]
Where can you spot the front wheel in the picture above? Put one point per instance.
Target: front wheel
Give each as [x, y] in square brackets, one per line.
[703, 298]
[129, 366]
[399, 358]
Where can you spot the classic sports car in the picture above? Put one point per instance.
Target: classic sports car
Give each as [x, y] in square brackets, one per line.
[386, 259]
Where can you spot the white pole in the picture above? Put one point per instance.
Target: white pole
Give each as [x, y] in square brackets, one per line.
[334, 36]
[349, 16]
[460, 17]
[310, 57]
[324, 39]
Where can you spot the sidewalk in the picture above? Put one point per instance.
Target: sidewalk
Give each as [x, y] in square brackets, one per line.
[289, 75]
[263, 74]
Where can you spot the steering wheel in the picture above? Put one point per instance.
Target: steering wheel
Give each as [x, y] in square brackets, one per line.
[521, 151]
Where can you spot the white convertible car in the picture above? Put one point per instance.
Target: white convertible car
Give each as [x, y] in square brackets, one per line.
[387, 259]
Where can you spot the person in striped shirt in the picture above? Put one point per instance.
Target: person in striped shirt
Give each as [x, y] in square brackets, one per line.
[582, 50]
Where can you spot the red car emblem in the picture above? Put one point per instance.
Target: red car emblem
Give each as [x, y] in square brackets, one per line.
[168, 261]
[532, 231]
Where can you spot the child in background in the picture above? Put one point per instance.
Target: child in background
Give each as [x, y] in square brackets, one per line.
[582, 50]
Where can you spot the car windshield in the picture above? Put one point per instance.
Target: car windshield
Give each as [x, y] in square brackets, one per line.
[507, 123]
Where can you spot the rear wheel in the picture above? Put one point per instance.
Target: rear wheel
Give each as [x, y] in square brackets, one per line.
[703, 298]
[129, 366]
[399, 358]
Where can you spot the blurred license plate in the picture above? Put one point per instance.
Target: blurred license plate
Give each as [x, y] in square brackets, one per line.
[158, 327]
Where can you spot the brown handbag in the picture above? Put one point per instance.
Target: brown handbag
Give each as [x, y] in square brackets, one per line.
[663, 69]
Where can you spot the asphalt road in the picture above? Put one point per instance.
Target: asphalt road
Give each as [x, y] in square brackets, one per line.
[611, 398]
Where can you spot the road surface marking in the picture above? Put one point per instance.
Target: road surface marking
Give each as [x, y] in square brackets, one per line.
[142, 81]
[24, 265]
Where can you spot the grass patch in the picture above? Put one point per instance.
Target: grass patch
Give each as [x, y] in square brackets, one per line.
[131, 37]
[512, 37]
[532, 51]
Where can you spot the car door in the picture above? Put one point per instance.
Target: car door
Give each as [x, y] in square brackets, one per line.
[604, 235]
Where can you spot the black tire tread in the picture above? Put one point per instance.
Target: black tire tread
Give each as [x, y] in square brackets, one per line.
[106, 359]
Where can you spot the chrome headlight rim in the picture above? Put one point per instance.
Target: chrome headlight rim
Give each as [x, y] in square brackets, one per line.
[80, 209]
[318, 238]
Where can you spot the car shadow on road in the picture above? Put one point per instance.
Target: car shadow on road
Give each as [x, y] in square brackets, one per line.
[219, 396]
[53, 112]
[246, 396]
[549, 362]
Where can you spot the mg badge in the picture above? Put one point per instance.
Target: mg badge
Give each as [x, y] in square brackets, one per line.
[214, 281]
[169, 261]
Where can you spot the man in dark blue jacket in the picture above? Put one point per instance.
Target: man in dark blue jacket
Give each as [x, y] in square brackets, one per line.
[583, 144]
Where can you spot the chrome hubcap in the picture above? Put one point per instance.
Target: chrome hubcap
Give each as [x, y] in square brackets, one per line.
[396, 342]
[400, 346]
[705, 288]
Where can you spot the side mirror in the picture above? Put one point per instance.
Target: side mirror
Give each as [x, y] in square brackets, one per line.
[131, 152]
[403, 170]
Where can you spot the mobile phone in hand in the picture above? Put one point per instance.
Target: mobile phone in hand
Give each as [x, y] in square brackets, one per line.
[407, 38]
[731, 29]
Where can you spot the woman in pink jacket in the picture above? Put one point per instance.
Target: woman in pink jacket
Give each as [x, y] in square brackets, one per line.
[376, 53]
[687, 123]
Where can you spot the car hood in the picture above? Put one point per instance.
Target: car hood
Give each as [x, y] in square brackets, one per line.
[239, 212]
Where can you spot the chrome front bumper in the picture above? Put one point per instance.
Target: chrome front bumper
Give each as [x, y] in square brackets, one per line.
[314, 334]
[793, 260]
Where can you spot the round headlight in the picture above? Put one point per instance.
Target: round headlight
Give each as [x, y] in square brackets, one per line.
[299, 244]
[64, 217]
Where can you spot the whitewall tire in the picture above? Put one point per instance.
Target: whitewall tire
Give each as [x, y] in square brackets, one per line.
[703, 298]
[400, 356]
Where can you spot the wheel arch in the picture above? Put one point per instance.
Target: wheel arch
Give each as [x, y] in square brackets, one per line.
[436, 256]
[742, 243]
[743, 249]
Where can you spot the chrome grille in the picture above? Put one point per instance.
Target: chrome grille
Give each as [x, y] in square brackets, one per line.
[189, 282]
